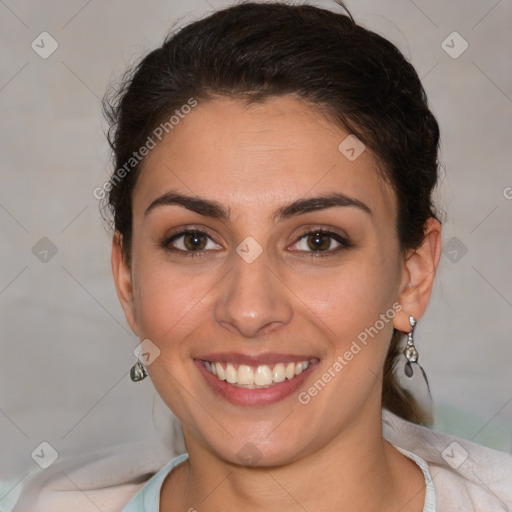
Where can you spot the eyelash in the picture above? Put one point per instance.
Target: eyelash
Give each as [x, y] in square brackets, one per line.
[344, 242]
[187, 254]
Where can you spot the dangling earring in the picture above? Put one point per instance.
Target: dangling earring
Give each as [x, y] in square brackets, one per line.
[410, 350]
[138, 372]
[412, 378]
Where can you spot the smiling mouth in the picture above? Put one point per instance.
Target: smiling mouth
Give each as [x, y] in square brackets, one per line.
[253, 377]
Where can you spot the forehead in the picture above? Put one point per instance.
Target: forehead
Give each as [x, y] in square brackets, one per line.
[260, 155]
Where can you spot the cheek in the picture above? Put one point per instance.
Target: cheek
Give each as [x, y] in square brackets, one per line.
[170, 306]
[166, 301]
[349, 299]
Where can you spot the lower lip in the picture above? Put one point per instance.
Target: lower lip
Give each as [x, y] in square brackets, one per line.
[256, 396]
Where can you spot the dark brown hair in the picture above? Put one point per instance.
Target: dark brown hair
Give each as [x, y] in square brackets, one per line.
[256, 51]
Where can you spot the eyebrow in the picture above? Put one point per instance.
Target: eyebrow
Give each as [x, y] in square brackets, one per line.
[312, 204]
[196, 204]
[216, 210]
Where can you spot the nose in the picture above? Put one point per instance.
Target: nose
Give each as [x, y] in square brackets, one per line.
[254, 301]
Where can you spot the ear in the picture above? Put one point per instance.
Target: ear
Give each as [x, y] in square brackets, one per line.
[123, 281]
[419, 269]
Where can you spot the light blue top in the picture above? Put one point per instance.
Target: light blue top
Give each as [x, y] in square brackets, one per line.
[148, 498]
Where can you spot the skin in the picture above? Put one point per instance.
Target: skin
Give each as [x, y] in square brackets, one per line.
[253, 159]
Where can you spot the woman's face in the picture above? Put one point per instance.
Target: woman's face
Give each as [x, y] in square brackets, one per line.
[258, 243]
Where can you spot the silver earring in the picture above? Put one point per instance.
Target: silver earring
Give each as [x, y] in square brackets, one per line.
[410, 350]
[412, 377]
[138, 372]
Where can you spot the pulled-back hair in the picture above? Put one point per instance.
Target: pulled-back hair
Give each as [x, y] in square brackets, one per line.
[253, 51]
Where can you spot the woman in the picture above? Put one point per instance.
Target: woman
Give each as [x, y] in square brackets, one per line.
[275, 239]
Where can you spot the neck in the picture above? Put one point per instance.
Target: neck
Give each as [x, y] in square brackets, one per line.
[357, 470]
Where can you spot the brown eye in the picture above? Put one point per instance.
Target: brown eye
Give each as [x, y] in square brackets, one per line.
[190, 241]
[319, 241]
[194, 241]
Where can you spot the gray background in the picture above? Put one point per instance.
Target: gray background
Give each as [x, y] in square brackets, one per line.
[66, 348]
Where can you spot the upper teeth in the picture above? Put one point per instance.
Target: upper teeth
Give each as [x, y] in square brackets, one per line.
[255, 376]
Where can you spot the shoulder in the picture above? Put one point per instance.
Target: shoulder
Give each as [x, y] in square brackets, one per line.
[466, 475]
[103, 480]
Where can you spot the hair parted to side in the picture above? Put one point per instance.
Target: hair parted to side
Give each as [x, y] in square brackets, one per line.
[255, 51]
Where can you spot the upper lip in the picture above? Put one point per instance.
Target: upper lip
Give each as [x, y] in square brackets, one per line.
[267, 358]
